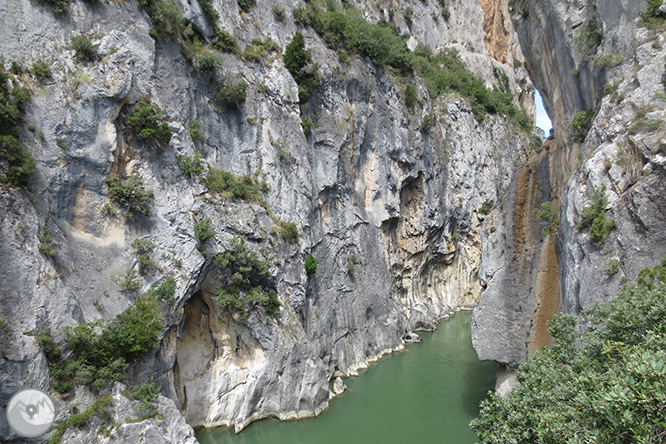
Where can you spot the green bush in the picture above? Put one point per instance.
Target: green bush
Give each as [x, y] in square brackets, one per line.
[85, 50]
[246, 5]
[204, 231]
[45, 239]
[279, 14]
[289, 232]
[600, 385]
[167, 18]
[59, 6]
[146, 393]
[80, 419]
[232, 95]
[258, 49]
[20, 163]
[411, 96]
[224, 42]
[191, 165]
[589, 37]
[235, 187]
[129, 194]
[165, 291]
[581, 124]
[143, 248]
[211, 14]
[196, 133]
[428, 122]
[245, 279]
[594, 218]
[208, 62]
[652, 16]
[307, 124]
[128, 281]
[41, 70]
[445, 10]
[548, 215]
[148, 123]
[298, 62]
[310, 264]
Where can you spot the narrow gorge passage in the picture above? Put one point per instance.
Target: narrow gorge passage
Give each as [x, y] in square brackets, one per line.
[430, 390]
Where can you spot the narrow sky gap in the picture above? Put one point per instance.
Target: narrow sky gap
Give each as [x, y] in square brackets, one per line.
[542, 119]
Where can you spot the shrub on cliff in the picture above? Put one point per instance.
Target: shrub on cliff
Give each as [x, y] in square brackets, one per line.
[85, 50]
[594, 218]
[129, 194]
[610, 389]
[581, 124]
[310, 264]
[232, 95]
[298, 62]
[148, 123]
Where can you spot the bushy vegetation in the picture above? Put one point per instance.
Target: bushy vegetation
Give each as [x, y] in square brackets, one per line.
[146, 393]
[487, 206]
[148, 123]
[235, 187]
[80, 419]
[279, 14]
[289, 232]
[167, 18]
[45, 240]
[411, 95]
[143, 248]
[594, 218]
[609, 389]
[548, 215]
[307, 124]
[41, 70]
[204, 231]
[581, 124]
[163, 292]
[298, 62]
[191, 165]
[310, 264]
[245, 280]
[258, 49]
[85, 50]
[16, 163]
[101, 351]
[224, 42]
[653, 16]
[232, 94]
[59, 6]
[211, 14]
[589, 37]
[444, 72]
[129, 194]
[246, 5]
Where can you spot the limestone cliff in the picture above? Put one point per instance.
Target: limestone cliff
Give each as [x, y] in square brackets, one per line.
[385, 195]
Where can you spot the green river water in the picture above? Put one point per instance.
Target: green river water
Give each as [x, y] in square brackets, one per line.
[425, 394]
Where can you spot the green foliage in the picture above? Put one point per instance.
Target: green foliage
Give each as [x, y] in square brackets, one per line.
[45, 239]
[594, 218]
[143, 248]
[411, 96]
[427, 123]
[310, 264]
[81, 419]
[640, 121]
[607, 60]
[351, 265]
[445, 10]
[128, 281]
[148, 123]
[283, 155]
[41, 70]
[224, 42]
[167, 18]
[211, 14]
[235, 187]
[196, 133]
[246, 5]
[204, 231]
[15, 161]
[85, 50]
[59, 6]
[608, 390]
[208, 62]
[548, 216]
[589, 37]
[652, 17]
[611, 266]
[146, 393]
[409, 16]
[298, 62]
[581, 124]
[191, 165]
[232, 95]
[165, 291]
[307, 124]
[245, 279]
[129, 194]
[487, 206]
[289, 232]
[258, 49]
[279, 14]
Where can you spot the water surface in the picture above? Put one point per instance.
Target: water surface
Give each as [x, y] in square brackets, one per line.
[425, 394]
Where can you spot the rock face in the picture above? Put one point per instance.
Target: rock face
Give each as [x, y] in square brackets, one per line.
[389, 207]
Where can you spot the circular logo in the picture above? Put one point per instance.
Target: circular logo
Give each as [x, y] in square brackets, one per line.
[30, 412]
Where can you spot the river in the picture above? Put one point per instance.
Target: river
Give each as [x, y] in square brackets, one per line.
[425, 394]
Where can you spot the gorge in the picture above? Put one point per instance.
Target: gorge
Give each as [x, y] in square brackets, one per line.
[290, 219]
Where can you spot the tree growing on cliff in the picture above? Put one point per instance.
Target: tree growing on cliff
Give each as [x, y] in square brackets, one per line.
[298, 62]
[609, 390]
